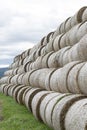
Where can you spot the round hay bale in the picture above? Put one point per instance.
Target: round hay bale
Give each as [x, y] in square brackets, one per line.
[72, 80]
[49, 46]
[42, 77]
[5, 89]
[45, 59]
[82, 31]
[58, 81]
[24, 94]
[45, 102]
[20, 77]
[21, 69]
[82, 79]
[43, 50]
[4, 79]
[36, 101]
[14, 79]
[20, 95]
[48, 112]
[27, 65]
[77, 18]
[56, 42]
[26, 77]
[76, 117]
[16, 90]
[37, 64]
[37, 78]
[61, 108]
[2, 87]
[11, 90]
[52, 62]
[59, 57]
[84, 16]
[29, 97]
[65, 58]
[67, 24]
[47, 80]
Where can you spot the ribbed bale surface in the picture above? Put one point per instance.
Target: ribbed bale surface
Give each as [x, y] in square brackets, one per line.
[71, 21]
[76, 117]
[48, 65]
[36, 101]
[29, 97]
[60, 110]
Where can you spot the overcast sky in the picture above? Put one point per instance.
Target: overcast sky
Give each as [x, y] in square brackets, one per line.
[24, 22]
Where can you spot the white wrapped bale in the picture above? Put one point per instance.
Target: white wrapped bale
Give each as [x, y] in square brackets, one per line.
[47, 80]
[58, 81]
[50, 107]
[70, 22]
[72, 80]
[29, 97]
[76, 117]
[82, 79]
[11, 90]
[6, 88]
[20, 94]
[16, 90]
[45, 102]
[61, 108]
[37, 78]
[26, 77]
[56, 42]
[45, 60]
[36, 101]
[24, 94]
[2, 87]
[84, 16]
[59, 57]
[52, 62]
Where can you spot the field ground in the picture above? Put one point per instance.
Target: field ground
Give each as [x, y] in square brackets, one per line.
[16, 117]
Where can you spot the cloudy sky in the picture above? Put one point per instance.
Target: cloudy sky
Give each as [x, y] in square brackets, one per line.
[24, 22]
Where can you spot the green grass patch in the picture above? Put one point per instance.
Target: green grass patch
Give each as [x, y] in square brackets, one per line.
[16, 117]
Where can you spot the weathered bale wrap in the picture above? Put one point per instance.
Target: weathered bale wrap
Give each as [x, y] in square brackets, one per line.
[84, 16]
[70, 22]
[16, 90]
[56, 42]
[52, 62]
[20, 78]
[24, 94]
[82, 79]
[20, 94]
[61, 108]
[37, 64]
[2, 87]
[47, 80]
[37, 78]
[59, 57]
[50, 107]
[11, 90]
[76, 117]
[29, 97]
[26, 77]
[6, 88]
[45, 58]
[72, 80]
[36, 101]
[58, 80]
[45, 102]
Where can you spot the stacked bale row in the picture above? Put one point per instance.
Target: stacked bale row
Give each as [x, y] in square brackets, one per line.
[58, 111]
[70, 78]
[55, 59]
[56, 63]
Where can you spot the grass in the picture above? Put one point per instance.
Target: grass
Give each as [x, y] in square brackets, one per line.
[16, 117]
